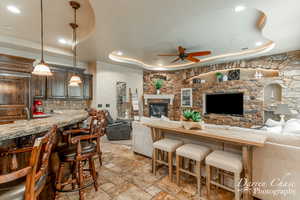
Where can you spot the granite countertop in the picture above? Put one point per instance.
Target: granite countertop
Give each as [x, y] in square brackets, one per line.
[23, 128]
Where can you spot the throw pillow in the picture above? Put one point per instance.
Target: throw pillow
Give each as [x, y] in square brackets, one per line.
[292, 126]
[272, 123]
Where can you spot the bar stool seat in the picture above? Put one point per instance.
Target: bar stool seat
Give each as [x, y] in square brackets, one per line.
[225, 160]
[193, 151]
[161, 146]
[168, 145]
[69, 152]
[15, 190]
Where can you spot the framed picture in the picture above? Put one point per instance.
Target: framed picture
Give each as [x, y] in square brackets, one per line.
[186, 97]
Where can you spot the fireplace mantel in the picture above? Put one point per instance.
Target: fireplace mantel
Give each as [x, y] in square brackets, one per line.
[159, 96]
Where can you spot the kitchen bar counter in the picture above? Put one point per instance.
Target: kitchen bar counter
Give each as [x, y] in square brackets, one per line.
[23, 128]
[243, 138]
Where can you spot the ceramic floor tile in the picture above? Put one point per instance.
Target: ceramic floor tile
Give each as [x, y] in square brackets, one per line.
[128, 176]
[133, 193]
[153, 190]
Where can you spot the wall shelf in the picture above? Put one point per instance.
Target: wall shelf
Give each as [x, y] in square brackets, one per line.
[249, 71]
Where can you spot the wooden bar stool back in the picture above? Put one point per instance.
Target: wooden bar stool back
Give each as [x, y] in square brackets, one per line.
[28, 182]
[92, 119]
[81, 150]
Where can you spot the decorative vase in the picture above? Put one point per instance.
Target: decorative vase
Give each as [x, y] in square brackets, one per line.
[220, 78]
[157, 91]
[192, 125]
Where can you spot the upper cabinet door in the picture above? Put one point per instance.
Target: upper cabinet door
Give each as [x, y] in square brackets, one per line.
[14, 98]
[38, 87]
[75, 92]
[88, 87]
[57, 84]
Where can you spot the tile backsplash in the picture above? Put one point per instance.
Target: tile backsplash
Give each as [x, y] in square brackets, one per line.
[65, 105]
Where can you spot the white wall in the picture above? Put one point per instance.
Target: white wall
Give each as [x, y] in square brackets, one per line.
[107, 75]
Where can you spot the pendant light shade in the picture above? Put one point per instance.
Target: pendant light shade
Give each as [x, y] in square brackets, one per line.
[73, 84]
[42, 69]
[75, 80]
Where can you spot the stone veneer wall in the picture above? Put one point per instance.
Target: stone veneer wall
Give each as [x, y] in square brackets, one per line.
[65, 105]
[288, 65]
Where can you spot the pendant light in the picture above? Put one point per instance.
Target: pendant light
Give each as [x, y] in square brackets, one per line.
[75, 80]
[42, 69]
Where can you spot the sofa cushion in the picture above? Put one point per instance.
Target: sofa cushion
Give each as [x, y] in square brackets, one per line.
[272, 123]
[292, 126]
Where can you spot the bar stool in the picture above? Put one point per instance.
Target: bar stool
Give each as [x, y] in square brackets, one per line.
[27, 183]
[165, 145]
[226, 161]
[193, 152]
[80, 151]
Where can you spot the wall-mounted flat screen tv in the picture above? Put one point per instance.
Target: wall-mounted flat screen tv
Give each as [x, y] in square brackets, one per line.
[225, 103]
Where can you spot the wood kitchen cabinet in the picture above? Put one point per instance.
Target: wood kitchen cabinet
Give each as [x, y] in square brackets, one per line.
[57, 84]
[15, 95]
[88, 86]
[38, 84]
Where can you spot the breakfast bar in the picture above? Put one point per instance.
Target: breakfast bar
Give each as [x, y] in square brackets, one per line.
[22, 128]
[245, 139]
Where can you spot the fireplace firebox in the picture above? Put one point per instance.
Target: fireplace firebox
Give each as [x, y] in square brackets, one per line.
[158, 109]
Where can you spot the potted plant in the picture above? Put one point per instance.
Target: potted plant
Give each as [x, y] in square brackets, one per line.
[158, 84]
[219, 76]
[191, 119]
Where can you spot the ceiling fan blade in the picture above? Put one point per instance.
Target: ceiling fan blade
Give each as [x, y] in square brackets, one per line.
[192, 59]
[181, 49]
[167, 55]
[200, 53]
[174, 61]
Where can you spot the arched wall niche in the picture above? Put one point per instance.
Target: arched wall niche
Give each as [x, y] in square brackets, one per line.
[272, 94]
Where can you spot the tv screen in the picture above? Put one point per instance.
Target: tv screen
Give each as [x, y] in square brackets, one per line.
[228, 104]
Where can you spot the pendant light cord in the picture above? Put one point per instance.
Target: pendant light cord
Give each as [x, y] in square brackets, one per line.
[42, 31]
[75, 38]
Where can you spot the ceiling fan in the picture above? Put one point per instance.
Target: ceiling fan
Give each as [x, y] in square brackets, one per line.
[182, 55]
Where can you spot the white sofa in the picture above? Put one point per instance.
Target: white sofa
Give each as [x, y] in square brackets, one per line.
[278, 162]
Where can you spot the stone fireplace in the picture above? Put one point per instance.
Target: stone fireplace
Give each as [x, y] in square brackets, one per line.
[158, 109]
[157, 105]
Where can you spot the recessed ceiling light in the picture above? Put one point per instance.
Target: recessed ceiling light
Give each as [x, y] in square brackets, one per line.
[258, 43]
[119, 53]
[13, 9]
[239, 8]
[62, 41]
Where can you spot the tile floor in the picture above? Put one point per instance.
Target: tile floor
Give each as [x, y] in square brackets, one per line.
[127, 176]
